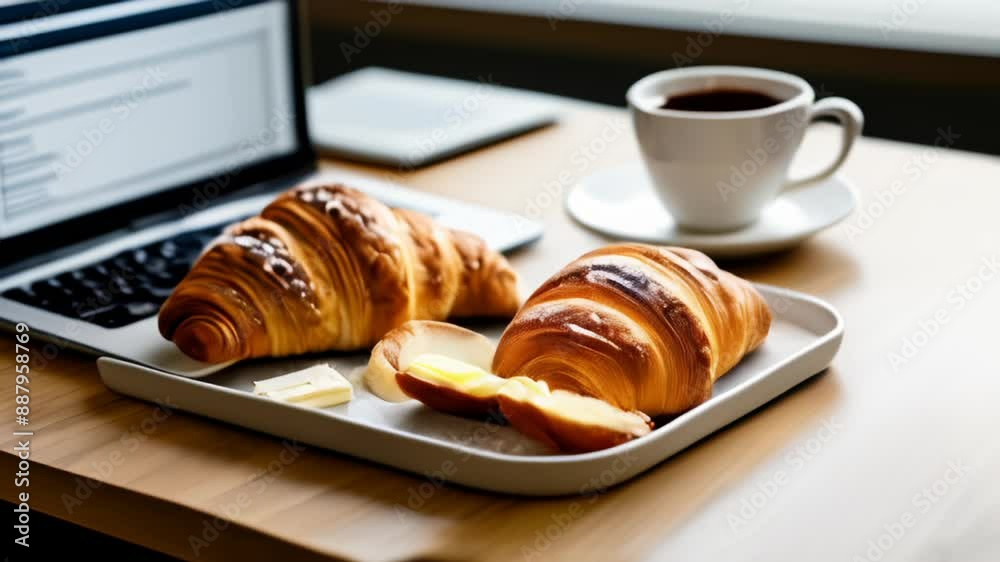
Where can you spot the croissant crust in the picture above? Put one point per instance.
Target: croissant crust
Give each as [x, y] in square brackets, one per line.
[643, 327]
[325, 267]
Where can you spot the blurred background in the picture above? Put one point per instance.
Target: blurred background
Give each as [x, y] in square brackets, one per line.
[915, 66]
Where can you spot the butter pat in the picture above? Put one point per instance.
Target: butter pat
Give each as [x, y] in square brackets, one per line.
[457, 375]
[319, 386]
[439, 368]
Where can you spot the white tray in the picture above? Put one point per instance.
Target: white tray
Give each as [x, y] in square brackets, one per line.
[805, 336]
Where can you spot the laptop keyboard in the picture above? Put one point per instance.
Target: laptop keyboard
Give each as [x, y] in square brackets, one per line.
[122, 289]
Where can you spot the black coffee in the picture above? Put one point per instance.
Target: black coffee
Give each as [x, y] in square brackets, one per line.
[721, 100]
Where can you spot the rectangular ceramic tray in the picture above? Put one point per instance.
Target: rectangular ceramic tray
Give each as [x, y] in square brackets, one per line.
[804, 338]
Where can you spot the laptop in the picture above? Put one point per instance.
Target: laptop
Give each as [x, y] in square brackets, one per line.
[131, 133]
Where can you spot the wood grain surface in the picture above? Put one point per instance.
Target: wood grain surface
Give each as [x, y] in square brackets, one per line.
[889, 455]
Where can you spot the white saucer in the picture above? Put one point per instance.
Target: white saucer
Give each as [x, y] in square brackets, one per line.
[619, 202]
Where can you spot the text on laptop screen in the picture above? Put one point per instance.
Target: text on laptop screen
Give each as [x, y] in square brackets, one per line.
[120, 100]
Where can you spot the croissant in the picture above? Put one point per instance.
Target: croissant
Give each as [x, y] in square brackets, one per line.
[641, 327]
[325, 267]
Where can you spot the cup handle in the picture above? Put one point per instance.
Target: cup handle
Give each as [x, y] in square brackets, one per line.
[851, 120]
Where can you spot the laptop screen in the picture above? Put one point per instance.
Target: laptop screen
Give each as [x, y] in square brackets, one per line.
[105, 102]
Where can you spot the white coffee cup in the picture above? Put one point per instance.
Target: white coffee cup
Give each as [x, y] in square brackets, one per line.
[717, 170]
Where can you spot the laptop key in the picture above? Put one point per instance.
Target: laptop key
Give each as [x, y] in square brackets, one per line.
[123, 265]
[159, 280]
[169, 250]
[52, 295]
[120, 286]
[72, 279]
[91, 284]
[152, 294]
[156, 265]
[123, 289]
[112, 316]
[97, 271]
[142, 309]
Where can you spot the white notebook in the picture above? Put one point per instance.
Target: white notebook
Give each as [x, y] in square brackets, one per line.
[410, 120]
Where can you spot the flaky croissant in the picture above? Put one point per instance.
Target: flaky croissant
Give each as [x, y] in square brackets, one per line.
[644, 328]
[325, 267]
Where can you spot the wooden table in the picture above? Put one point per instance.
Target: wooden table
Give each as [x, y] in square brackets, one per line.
[891, 450]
